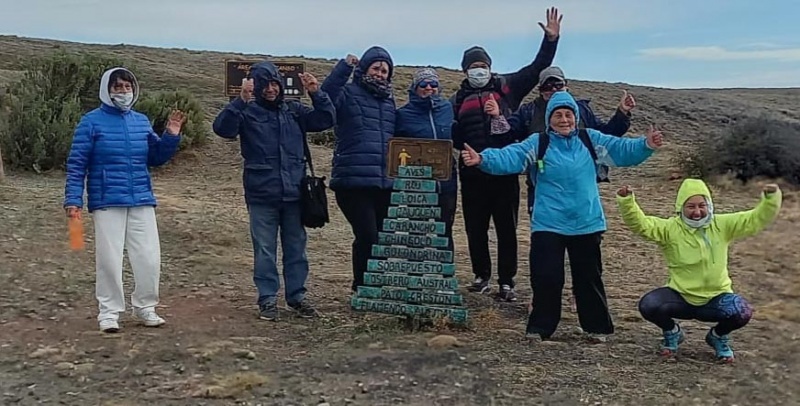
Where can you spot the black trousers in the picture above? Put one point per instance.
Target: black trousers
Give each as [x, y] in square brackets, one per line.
[547, 281]
[448, 202]
[485, 198]
[365, 210]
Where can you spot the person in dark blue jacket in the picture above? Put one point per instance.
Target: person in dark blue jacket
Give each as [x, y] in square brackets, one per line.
[365, 120]
[112, 148]
[271, 133]
[428, 115]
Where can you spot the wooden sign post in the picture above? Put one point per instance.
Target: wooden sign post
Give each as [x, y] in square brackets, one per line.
[236, 70]
[411, 272]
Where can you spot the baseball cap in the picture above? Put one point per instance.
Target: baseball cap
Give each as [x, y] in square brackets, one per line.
[551, 72]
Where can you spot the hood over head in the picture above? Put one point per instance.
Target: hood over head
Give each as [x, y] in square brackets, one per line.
[262, 73]
[105, 80]
[561, 99]
[370, 56]
[692, 187]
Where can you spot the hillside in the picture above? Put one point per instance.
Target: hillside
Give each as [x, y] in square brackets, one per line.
[214, 351]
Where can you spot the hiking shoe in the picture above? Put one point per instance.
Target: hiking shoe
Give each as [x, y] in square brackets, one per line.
[671, 341]
[507, 293]
[480, 286]
[723, 350]
[304, 309]
[268, 311]
[109, 326]
[148, 317]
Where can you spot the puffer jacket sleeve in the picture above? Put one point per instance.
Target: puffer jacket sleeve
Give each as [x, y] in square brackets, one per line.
[77, 163]
[319, 118]
[334, 83]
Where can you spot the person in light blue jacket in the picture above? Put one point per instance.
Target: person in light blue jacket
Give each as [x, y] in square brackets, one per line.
[112, 148]
[428, 115]
[567, 212]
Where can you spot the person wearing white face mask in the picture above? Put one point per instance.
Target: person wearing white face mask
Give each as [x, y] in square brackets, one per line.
[695, 244]
[481, 105]
[112, 148]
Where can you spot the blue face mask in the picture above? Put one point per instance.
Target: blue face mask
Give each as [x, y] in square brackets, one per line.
[122, 100]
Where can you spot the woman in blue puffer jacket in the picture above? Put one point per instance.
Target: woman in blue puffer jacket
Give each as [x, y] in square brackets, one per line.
[112, 148]
[365, 120]
[428, 115]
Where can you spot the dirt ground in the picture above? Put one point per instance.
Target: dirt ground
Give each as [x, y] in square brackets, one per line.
[214, 351]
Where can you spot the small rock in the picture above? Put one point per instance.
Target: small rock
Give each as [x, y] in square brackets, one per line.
[444, 341]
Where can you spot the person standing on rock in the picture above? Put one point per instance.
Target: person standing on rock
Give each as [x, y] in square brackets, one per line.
[272, 133]
[427, 115]
[481, 106]
[112, 148]
[568, 214]
[695, 244]
[365, 120]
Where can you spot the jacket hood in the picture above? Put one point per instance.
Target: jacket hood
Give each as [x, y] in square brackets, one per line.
[105, 96]
[262, 73]
[372, 55]
[689, 188]
[558, 100]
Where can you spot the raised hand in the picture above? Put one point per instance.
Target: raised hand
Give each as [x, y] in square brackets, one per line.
[654, 138]
[310, 82]
[470, 157]
[553, 27]
[175, 122]
[627, 102]
[624, 191]
[351, 60]
[770, 188]
[491, 107]
[247, 90]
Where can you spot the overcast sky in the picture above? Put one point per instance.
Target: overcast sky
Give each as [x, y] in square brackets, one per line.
[671, 43]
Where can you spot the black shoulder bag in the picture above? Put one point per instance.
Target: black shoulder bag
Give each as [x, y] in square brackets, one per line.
[313, 195]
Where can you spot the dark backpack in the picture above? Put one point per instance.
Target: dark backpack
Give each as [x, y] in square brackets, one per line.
[583, 135]
[313, 196]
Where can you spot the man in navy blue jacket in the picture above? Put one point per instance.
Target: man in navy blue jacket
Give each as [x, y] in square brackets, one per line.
[428, 115]
[271, 131]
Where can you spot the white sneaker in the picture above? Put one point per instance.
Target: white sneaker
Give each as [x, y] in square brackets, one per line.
[109, 326]
[148, 317]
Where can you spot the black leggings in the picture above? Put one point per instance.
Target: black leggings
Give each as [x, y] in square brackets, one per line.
[662, 305]
[365, 210]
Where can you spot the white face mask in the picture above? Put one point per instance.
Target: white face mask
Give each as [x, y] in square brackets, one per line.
[122, 100]
[478, 77]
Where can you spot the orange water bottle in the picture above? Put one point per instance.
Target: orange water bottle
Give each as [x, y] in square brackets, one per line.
[76, 242]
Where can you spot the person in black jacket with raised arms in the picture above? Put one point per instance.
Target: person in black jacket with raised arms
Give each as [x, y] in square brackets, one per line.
[481, 105]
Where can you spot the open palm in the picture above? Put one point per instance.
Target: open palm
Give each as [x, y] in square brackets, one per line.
[553, 27]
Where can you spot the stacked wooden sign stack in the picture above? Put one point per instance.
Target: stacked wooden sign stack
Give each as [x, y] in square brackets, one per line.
[412, 271]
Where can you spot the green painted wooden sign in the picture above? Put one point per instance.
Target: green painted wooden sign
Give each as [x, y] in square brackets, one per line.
[414, 226]
[418, 172]
[456, 314]
[413, 254]
[412, 240]
[414, 199]
[408, 267]
[410, 296]
[415, 185]
[411, 282]
[415, 212]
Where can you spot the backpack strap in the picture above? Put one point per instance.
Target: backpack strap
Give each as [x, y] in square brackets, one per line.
[584, 136]
[544, 142]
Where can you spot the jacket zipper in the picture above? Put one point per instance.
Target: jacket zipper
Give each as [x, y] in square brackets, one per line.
[128, 147]
[433, 125]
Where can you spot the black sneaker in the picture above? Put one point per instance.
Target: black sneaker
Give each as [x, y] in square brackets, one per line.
[507, 294]
[304, 309]
[480, 286]
[268, 311]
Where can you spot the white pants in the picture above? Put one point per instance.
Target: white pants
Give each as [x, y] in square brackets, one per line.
[134, 229]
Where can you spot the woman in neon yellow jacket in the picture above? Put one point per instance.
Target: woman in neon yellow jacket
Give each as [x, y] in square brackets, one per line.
[695, 245]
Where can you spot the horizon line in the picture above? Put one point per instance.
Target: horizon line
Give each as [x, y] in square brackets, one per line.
[334, 60]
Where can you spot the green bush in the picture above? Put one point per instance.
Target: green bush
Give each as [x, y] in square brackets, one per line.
[752, 147]
[325, 138]
[158, 106]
